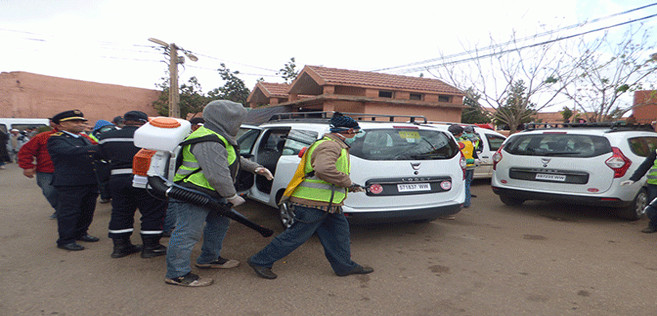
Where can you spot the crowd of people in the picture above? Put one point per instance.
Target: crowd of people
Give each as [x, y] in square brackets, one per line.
[75, 163]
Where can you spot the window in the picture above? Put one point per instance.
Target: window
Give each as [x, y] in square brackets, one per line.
[385, 94]
[494, 141]
[558, 145]
[296, 140]
[444, 98]
[416, 96]
[642, 146]
[402, 144]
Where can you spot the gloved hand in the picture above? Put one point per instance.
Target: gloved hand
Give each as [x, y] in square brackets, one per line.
[627, 182]
[356, 188]
[264, 172]
[235, 200]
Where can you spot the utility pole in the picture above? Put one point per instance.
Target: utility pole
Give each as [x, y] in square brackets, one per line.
[174, 60]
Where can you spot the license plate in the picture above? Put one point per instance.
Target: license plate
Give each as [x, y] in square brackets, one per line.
[551, 177]
[412, 187]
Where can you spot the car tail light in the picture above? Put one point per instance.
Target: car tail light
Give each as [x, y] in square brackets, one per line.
[375, 188]
[463, 163]
[618, 162]
[497, 157]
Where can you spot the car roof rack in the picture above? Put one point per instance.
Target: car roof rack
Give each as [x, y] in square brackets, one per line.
[613, 126]
[324, 117]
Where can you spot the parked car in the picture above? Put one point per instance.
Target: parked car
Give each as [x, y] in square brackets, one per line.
[489, 144]
[575, 163]
[413, 172]
[6, 124]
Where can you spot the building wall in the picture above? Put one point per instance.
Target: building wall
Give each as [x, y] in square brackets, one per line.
[645, 106]
[28, 95]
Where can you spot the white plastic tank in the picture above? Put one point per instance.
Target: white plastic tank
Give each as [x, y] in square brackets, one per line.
[162, 133]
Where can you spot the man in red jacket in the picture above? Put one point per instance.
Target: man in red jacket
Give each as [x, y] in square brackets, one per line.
[36, 149]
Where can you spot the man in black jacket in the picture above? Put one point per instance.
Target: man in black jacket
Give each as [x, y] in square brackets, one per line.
[74, 178]
[119, 149]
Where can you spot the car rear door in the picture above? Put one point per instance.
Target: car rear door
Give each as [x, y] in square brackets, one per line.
[557, 162]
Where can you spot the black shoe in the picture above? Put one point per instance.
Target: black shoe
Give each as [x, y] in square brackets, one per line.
[71, 246]
[189, 279]
[357, 270]
[152, 247]
[649, 230]
[166, 234]
[123, 247]
[472, 195]
[262, 272]
[88, 238]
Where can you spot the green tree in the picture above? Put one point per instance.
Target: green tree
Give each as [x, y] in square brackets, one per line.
[473, 113]
[192, 99]
[233, 89]
[517, 109]
[289, 71]
[566, 113]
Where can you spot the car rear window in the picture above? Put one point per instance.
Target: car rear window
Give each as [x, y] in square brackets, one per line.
[558, 145]
[402, 144]
[642, 146]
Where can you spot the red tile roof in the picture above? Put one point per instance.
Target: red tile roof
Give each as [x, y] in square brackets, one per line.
[333, 76]
[271, 89]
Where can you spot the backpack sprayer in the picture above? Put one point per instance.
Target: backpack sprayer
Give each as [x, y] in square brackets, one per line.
[155, 165]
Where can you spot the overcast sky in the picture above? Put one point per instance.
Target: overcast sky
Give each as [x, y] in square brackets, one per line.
[106, 40]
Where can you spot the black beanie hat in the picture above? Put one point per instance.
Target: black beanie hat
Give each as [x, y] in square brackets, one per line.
[340, 123]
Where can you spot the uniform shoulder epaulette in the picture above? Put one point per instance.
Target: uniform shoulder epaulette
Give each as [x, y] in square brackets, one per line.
[57, 134]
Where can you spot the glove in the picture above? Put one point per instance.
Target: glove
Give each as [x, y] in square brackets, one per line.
[236, 200]
[264, 172]
[627, 182]
[356, 188]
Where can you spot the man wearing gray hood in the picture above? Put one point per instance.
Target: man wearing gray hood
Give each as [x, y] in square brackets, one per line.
[209, 167]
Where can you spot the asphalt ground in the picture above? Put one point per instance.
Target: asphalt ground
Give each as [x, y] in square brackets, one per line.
[541, 258]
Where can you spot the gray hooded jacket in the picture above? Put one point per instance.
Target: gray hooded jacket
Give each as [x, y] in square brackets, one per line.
[225, 118]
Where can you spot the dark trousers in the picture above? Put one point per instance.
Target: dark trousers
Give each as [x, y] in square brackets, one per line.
[651, 212]
[125, 201]
[75, 211]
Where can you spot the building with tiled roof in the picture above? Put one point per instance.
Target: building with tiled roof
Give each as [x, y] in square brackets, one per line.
[268, 93]
[329, 89]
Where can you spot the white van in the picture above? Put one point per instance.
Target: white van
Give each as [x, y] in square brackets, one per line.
[6, 124]
[489, 144]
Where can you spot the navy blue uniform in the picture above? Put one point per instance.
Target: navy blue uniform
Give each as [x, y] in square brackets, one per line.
[119, 149]
[76, 184]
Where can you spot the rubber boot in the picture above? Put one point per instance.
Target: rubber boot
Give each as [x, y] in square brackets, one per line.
[152, 247]
[123, 247]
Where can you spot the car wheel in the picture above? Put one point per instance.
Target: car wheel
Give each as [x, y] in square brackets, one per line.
[510, 201]
[638, 207]
[286, 214]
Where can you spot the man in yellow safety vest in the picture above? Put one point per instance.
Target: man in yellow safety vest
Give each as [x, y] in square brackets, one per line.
[317, 202]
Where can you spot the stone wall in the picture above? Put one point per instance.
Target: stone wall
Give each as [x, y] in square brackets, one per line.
[28, 95]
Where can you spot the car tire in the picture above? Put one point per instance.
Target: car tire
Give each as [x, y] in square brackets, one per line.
[286, 214]
[637, 209]
[507, 200]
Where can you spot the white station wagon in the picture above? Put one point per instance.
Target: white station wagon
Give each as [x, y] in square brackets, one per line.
[413, 172]
[575, 163]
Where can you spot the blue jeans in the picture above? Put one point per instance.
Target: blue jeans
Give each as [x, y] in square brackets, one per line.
[44, 181]
[169, 219]
[333, 233]
[188, 231]
[469, 174]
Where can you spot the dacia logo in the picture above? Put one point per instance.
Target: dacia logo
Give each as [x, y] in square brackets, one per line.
[414, 179]
[545, 161]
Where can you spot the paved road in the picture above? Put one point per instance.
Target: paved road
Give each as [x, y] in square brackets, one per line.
[539, 259]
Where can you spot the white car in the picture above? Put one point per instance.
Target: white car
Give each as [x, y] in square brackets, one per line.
[489, 144]
[576, 163]
[413, 172]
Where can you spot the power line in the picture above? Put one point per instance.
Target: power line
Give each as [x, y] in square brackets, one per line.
[520, 40]
[411, 70]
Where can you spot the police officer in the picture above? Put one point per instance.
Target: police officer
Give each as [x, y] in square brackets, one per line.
[118, 147]
[648, 166]
[317, 204]
[74, 178]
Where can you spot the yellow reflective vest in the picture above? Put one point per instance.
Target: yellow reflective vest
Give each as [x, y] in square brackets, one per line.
[316, 189]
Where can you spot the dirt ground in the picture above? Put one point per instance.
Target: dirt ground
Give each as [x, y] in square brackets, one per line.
[538, 259]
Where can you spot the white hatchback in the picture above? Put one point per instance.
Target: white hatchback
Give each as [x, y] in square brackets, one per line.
[413, 172]
[576, 163]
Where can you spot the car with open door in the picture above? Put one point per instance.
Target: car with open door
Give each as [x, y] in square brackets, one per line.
[412, 172]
